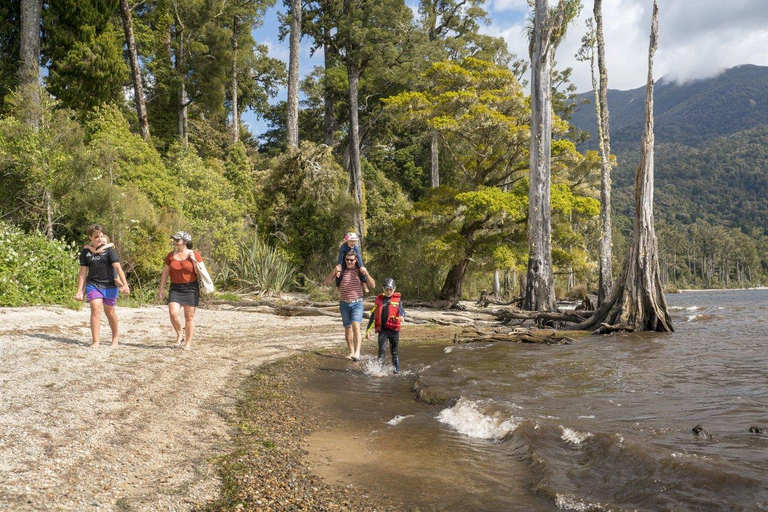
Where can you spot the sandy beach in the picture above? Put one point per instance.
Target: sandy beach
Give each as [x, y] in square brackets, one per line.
[134, 427]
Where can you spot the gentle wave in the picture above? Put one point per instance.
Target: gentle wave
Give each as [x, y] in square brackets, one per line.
[478, 419]
[397, 419]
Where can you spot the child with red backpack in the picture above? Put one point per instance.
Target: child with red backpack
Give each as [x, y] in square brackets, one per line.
[387, 316]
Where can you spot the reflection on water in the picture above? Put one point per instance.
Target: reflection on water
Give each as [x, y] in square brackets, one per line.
[604, 423]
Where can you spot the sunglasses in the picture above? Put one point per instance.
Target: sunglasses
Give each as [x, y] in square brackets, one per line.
[350, 259]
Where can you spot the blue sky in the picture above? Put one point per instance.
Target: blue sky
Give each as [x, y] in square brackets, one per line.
[698, 39]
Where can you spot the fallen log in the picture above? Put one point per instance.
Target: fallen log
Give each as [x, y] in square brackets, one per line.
[516, 335]
[539, 317]
[607, 328]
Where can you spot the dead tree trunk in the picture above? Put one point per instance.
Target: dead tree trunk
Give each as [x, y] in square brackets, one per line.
[435, 163]
[29, 55]
[604, 137]
[138, 88]
[328, 107]
[637, 300]
[292, 122]
[182, 96]
[540, 286]
[235, 106]
[355, 164]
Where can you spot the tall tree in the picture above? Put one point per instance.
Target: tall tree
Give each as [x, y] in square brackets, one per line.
[292, 122]
[133, 55]
[637, 300]
[235, 105]
[372, 36]
[548, 31]
[355, 163]
[29, 68]
[441, 19]
[82, 48]
[604, 135]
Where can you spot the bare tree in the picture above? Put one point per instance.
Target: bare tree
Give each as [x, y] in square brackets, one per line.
[603, 133]
[235, 106]
[138, 90]
[29, 53]
[548, 31]
[637, 299]
[292, 122]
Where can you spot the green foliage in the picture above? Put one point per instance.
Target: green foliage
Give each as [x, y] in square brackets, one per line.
[37, 166]
[124, 158]
[304, 207]
[207, 201]
[262, 269]
[10, 22]
[83, 43]
[35, 270]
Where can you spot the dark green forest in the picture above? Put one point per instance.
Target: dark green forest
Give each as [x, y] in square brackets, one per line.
[443, 132]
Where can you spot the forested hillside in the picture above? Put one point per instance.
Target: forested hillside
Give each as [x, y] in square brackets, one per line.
[711, 160]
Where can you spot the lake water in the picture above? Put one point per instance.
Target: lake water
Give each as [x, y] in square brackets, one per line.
[601, 424]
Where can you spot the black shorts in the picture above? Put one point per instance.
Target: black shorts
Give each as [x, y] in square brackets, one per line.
[185, 294]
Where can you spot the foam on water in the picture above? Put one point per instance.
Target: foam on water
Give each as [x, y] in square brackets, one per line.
[375, 368]
[478, 419]
[571, 436]
[397, 419]
[567, 502]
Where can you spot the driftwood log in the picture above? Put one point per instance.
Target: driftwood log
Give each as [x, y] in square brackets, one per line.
[539, 317]
[517, 335]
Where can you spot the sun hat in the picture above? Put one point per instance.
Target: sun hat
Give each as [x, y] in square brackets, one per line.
[182, 235]
[389, 283]
[350, 236]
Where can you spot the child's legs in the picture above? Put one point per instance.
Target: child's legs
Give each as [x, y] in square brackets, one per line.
[112, 319]
[189, 323]
[382, 344]
[96, 306]
[394, 342]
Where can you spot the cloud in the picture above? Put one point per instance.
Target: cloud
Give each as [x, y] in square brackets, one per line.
[696, 40]
[509, 5]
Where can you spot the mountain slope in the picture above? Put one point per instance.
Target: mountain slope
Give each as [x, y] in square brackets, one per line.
[689, 114]
[711, 148]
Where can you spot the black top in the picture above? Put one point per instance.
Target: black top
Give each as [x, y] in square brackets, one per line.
[100, 267]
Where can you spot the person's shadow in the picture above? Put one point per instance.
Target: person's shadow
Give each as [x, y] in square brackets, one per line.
[70, 341]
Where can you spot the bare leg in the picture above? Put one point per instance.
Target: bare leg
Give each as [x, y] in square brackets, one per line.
[112, 319]
[173, 310]
[96, 305]
[189, 325]
[349, 335]
[357, 337]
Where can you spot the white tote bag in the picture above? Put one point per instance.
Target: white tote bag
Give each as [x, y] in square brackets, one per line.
[206, 283]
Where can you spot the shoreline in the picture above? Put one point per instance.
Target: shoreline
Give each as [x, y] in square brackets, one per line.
[267, 466]
[144, 426]
[688, 290]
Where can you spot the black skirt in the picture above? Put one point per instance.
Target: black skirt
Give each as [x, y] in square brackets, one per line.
[185, 294]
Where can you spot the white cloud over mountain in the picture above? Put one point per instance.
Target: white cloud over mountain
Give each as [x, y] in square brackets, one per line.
[697, 39]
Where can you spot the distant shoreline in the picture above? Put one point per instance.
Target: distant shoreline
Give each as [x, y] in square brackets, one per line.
[681, 290]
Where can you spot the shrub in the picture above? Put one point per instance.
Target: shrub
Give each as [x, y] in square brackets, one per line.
[35, 270]
[262, 269]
